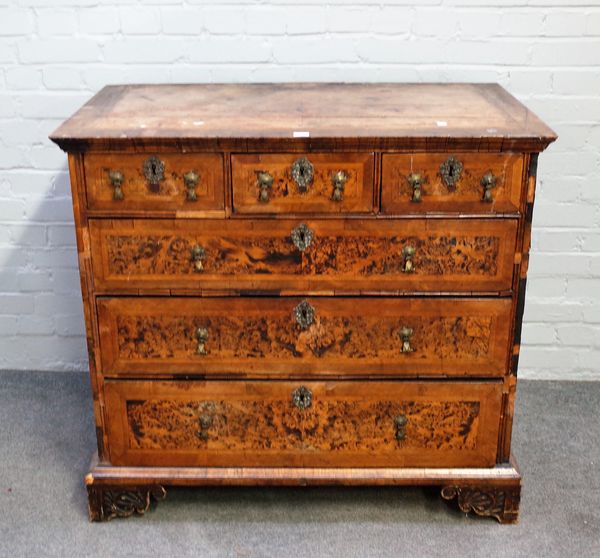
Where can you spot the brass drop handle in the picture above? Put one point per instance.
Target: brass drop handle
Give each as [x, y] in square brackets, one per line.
[450, 171]
[488, 181]
[265, 182]
[116, 179]
[198, 257]
[415, 179]
[339, 182]
[400, 421]
[405, 335]
[202, 338]
[302, 237]
[204, 424]
[302, 397]
[154, 171]
[190, 180]
[304, 314]
[303, 173]
[408, 266]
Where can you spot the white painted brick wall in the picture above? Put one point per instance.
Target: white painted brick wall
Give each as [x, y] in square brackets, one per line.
[54, 54]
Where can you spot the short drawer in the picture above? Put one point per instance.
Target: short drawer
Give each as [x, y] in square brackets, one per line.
[477, 183]
[345, 424]
[274, 337]
[301, 183]
[341, 255]
[167, 182]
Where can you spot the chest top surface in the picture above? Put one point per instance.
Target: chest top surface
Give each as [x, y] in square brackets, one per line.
[363, 116]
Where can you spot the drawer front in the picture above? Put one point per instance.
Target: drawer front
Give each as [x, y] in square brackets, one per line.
[463, 183]
[278, 336]
[296, 183]
[168, 182]
[352, 424]
[407, 255]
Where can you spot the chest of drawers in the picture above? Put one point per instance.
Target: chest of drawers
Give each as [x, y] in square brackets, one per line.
[303, 284]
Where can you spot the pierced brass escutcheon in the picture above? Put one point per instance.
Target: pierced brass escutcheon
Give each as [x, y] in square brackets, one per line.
[302, 237]
[488, 181]
[408, 252]
[304, 314]
[405, 335]
[450, 171]
[400, 421]
[190, 180]
[198, 256]
[302, 397]
[116, 180]
[416, 181]
[204, 423]
[303, 173]
[154, 171]
[202, 338]
[339, 182]
[265, 182]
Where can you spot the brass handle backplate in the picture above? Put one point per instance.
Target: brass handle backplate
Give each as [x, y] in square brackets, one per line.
[405, 335]
[198, 257]
[116, 181]
[303, 173]
[400, 421]
[450, 171]
[304, 314]
[265, 182]
[488, 181]
[204, 424]
[416, 181]
[339, 182]
[202, 338]
[190, 179]
[302, 397]
[408, 266]
[302, 237]
[154, 171]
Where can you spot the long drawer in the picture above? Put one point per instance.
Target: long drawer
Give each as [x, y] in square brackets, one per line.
[396, 424]
[340, 255]
[278, 337]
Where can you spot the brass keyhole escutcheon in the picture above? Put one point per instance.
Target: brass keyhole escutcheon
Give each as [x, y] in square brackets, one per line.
[302, 237]
[451, 171]
[154, 171]
[304, 314]
[302, 173]
[302, 397]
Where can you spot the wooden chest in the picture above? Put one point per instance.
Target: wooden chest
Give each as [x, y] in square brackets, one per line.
[303, 284]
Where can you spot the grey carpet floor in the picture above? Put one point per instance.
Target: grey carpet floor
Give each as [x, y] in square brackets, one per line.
[46, 440]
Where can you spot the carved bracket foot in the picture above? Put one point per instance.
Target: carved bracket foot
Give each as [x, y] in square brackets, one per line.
[106, 502]
[501, 502]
